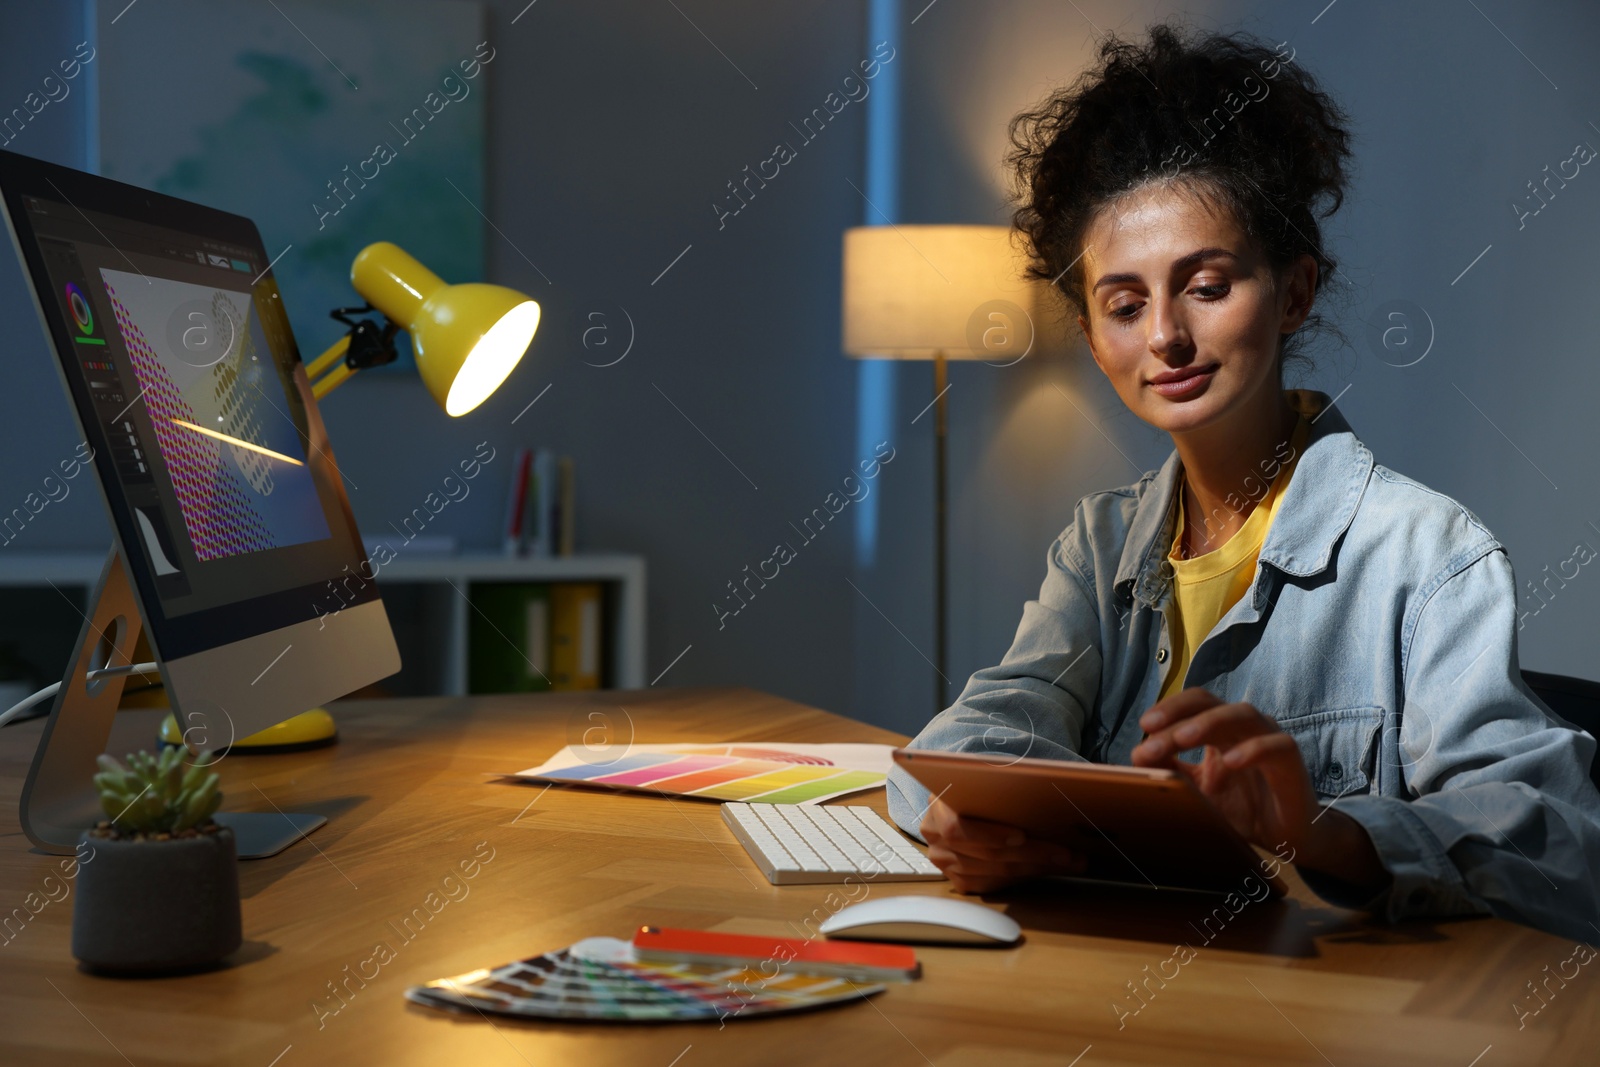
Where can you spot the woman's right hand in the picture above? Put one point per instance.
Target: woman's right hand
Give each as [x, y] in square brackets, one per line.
[979, 856]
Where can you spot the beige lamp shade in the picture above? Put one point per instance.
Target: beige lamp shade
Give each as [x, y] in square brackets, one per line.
[914, 292]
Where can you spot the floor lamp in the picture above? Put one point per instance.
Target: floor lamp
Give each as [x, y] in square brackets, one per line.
[938, 293]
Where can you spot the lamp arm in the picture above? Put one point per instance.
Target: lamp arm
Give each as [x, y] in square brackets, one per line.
[368, 344]
[331, 381]
[323, 384]
[334, 354]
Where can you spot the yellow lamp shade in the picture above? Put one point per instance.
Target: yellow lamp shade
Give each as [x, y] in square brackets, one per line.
[467, 338]
[954, 291]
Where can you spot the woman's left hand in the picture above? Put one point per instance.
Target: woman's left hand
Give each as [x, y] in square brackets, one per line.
[1253, 772]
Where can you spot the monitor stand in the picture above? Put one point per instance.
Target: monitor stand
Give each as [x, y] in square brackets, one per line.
[59, 800]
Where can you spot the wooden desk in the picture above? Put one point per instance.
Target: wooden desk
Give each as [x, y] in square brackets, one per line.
[409, 795]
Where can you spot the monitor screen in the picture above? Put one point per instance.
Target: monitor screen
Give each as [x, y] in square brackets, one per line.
[176, 349]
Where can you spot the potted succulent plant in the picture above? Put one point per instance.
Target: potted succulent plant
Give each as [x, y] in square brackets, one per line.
[163, 893]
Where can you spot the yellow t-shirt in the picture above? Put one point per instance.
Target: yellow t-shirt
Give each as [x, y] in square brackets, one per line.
[1206, 586]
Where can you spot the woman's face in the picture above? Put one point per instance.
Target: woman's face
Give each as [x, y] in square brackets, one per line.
[1184, 315]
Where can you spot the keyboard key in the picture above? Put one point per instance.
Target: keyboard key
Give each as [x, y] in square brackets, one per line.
[800, 844]
[882, 831]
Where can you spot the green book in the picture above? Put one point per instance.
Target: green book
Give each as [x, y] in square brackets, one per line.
[508, 638]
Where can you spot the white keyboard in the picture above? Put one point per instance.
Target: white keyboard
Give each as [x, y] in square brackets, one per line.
[797, 844]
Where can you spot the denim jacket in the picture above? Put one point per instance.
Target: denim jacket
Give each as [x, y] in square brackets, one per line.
[1380, 632]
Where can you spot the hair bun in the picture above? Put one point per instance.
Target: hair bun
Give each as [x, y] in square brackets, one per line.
[1236, 117]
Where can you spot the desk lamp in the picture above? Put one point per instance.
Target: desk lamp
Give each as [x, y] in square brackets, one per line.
[939, 293]
[466, 338]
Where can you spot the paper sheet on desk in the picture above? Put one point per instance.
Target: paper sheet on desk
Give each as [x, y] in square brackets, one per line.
[760, 772]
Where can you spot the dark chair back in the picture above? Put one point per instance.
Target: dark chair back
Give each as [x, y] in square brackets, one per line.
[1575, 699]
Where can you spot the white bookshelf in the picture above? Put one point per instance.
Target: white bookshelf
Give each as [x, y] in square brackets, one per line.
[450, 576]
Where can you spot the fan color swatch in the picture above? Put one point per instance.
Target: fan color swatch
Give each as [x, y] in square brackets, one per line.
[601, 979]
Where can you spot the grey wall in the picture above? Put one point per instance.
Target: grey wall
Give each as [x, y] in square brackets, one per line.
[613, 128]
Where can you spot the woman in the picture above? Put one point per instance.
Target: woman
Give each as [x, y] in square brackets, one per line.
[1337, 640]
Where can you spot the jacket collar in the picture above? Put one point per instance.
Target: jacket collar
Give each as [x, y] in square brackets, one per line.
[1318, 506]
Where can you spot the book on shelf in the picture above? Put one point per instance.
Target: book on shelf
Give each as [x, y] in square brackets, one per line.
[516, 503]
[508, 638]
[541, 498]
[531, 637]
[541, 517]
[566, 510]
[575, 635]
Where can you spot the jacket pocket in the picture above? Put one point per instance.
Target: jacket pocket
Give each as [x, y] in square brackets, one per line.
[1338, 747]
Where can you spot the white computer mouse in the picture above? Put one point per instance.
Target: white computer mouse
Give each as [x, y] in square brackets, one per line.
[927, 920]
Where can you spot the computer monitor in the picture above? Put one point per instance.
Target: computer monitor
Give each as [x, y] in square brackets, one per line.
[235, 545]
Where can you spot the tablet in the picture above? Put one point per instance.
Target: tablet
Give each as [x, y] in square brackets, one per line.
[1142, 825]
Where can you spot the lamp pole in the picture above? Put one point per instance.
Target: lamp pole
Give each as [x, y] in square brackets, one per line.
[939, 432]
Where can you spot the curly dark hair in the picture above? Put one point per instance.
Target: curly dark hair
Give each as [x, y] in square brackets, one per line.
[1226, 117]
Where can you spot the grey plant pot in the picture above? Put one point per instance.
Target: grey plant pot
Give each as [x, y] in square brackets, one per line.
[154, 907]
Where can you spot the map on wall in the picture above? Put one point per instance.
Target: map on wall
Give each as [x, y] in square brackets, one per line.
[330, 125]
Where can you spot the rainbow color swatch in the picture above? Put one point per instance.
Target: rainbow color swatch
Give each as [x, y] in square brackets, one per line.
[764, 773]
[600, 979]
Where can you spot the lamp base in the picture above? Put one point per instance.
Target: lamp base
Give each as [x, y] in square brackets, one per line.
[309, 729]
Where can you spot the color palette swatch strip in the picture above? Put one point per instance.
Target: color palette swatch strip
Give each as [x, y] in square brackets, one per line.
[718, 777]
